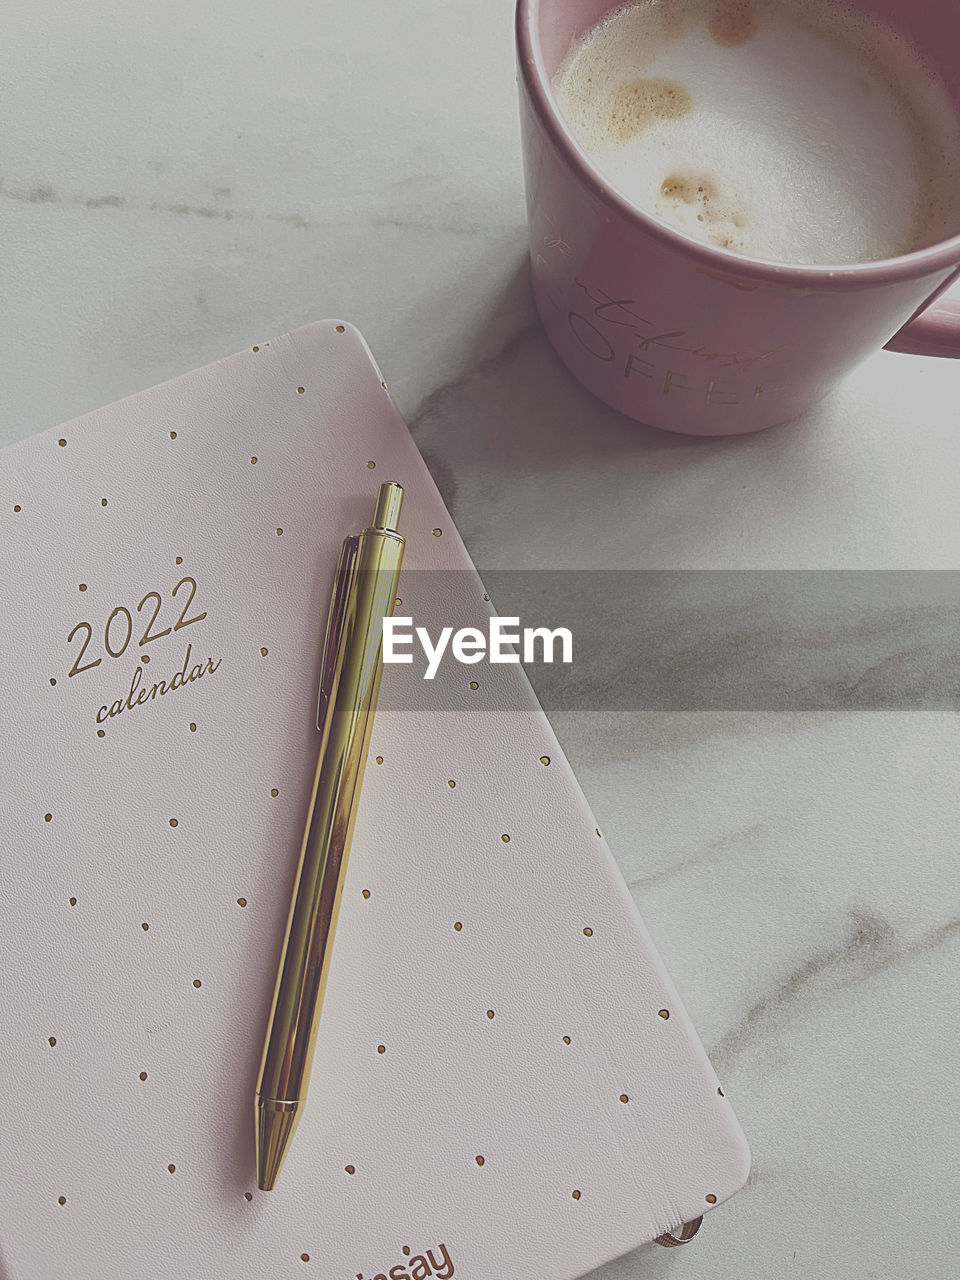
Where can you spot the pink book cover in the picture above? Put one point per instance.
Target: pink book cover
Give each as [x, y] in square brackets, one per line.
[505, 1087]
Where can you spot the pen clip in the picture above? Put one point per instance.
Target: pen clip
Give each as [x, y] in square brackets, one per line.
[330, 662]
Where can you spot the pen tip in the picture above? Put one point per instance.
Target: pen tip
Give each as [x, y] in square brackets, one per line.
[275, 1125]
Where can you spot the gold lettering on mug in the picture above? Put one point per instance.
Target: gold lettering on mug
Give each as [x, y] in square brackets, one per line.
[674, 380]
[621, 304]
[718, 397]
[635, 365]
[595, 343]
[660, 340]
[620, 313]
[608, 315]
[558, 243]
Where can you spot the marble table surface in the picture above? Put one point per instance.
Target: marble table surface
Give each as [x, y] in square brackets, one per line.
[178, 181]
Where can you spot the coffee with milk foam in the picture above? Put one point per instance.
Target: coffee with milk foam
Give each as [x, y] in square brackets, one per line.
[787, 130]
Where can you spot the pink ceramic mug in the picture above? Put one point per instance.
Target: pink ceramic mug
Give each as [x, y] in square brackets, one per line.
[692, 338]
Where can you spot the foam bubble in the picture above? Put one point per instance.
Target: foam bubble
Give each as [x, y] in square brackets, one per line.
[641, 103]
[782, 129]
[733, 22]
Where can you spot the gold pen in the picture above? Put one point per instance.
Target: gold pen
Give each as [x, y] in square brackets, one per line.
[364, 593]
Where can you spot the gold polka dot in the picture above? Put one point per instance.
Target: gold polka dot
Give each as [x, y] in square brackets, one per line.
[350, 1169]
[143, 1075]
[48, 817]
[379, 759]
[52, 1041]
[576, 1195]
[299, 391]
[664, 1014]
[17, 507]
[588, 932]
[505, 838]
[485, 596]
[174, 822]
[544, 759]
[264, 652]
[193, 727]
[274, 792]
[397, 603]
[480, 1161]
[241, 902]
[366, 893]
[624, 1097]
[567, 1040]
[304, 1257]
[62, 443]
[248, 1195]
[103, 502]
[490, 1013]
[145, 657]
[450, 783]
[171, 1168]
[53, 679]
[173, 435]
[101, 733]
[61, 1199]
[437, 533]
[73, 902]
[711, 1199]
[474, 685]
[197, 982]
[179, 559]
[253, 462]
[83, 586]
[381, 1048]
[341, 329]
[458, 926]
[279, 533]
[254, 349]
[144, 926]
[371, 465]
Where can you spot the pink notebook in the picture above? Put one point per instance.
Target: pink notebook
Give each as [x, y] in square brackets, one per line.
[506, 1086]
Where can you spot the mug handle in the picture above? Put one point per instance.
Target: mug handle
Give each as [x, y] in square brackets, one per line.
[934, 330]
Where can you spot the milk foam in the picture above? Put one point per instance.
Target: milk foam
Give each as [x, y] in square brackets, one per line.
[781, 129]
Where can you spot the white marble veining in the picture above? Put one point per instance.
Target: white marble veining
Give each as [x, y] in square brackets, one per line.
[180, 180]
